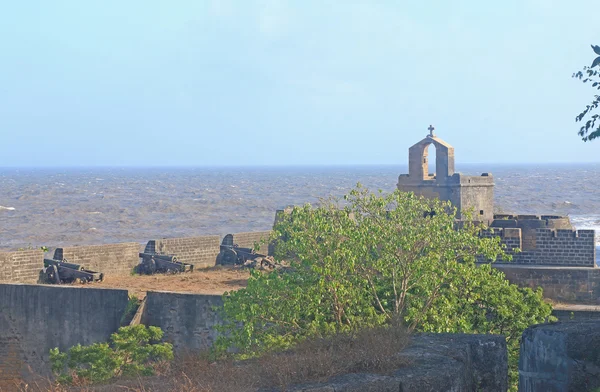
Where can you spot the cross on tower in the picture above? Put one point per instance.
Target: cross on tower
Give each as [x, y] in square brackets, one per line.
[431, 129]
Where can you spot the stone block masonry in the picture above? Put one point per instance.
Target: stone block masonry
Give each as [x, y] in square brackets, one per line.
[561, 284]
[36, 318]
[113, 259]
[575, 248]
[565, 247]
[200, 251]
[21, 266]
[187, 320]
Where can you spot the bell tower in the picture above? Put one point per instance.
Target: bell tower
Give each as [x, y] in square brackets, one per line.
[474, 193]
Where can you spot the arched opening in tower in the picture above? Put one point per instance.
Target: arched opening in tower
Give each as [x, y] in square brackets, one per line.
[429, 160]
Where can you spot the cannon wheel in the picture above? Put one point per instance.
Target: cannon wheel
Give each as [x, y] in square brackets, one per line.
[101, 277]
[230, 256]
[52, 274]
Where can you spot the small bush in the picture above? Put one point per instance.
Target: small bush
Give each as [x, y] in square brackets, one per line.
[371, 350]
[132, 351]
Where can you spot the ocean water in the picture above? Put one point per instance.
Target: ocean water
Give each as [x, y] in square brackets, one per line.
[60, 207]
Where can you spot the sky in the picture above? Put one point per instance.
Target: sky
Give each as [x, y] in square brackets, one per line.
[223, 82]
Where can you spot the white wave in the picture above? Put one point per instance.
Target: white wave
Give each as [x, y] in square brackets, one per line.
[95, 212]
[588, 222]
[7, 208]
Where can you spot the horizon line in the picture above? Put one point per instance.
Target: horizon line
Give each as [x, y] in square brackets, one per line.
[299, 165]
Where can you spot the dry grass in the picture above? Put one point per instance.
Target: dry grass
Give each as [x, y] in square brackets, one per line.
[215, 281]
[316, 360]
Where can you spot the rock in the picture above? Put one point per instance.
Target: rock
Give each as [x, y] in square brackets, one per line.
[561, 356]
[263, 263]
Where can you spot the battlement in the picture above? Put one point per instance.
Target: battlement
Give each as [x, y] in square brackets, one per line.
[529, 224]
[562, 233]
[564, 247]
[544, 218]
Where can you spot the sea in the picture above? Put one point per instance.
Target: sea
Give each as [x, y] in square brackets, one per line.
[79, 206]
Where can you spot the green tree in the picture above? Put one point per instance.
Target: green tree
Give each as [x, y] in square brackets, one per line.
[589, 130]
[480, 300]
[133, 350]
[379, 259]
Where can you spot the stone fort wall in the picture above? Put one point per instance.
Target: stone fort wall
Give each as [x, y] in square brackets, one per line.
[562, 284]
[200, 251]
[557, 247]
[120, 259]
[21, 266]
[116, 259]
[27, 333]
[529, 224]
[36, 318]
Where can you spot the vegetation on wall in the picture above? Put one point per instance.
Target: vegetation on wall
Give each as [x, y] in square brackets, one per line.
[132, 351]
[377, 260]
[589, 130]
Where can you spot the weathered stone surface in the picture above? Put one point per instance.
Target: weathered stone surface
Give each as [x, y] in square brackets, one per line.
[188, 320]
[571, 312]
[438, 362]
[35, 318]
[562, 356]
[563, 284]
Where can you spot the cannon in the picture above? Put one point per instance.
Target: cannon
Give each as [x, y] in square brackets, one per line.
[61, 271]
[234, 254]
[154, 262]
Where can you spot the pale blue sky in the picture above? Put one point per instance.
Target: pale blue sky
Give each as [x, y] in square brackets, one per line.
[120, 83]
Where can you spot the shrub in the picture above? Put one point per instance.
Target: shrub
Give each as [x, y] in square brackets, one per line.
[133, 350]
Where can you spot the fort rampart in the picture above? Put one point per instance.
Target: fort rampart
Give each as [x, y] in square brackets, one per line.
[36, 318]
[576, 248]
[21, 266]
[24, 266]
[116, 259]
[187, 319]
[561, 284]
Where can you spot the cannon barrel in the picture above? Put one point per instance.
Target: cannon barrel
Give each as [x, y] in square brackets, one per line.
[73, 266]
[170, 258]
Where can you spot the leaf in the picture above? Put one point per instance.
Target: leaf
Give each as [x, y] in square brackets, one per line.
[596, 62]
[596, 49]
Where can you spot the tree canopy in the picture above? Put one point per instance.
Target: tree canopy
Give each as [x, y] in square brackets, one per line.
[589, 130]
[373, 259]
